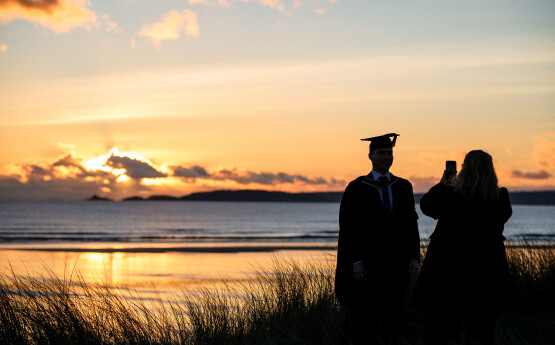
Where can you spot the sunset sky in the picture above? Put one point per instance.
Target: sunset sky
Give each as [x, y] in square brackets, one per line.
[136, 97]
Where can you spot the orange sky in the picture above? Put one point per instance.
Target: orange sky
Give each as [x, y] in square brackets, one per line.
[172, 97]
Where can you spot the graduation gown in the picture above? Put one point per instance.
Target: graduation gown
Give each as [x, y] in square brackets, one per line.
[384, 247]
[465, 270]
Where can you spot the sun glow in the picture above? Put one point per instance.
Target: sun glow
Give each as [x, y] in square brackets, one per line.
[66, 171]
[97, 163]
[118, 172]
[158, 181]
[122, 178]
[102, 163]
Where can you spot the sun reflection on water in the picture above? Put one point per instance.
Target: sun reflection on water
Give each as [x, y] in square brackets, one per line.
[148, 274]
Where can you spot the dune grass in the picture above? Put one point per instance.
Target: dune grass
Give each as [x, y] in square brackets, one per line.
[291, 304]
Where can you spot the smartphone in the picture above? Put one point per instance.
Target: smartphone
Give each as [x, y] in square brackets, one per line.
[451, 166]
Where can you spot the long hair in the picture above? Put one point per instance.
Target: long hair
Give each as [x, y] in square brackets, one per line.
[477, 178]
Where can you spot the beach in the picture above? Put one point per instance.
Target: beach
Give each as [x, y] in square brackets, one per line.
[165, 246]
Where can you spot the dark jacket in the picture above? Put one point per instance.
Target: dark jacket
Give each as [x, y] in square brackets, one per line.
[385, 248]
[465, 270]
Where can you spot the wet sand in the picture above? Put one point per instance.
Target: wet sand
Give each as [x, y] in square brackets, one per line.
[160, 271]
[189, 249]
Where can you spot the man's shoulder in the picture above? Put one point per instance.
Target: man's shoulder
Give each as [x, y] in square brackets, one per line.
[359, 180]
[356, 184]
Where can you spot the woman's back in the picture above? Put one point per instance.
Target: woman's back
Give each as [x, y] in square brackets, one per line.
[465, 266]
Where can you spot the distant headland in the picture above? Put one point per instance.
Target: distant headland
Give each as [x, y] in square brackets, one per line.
[517, 198]
[240, 195]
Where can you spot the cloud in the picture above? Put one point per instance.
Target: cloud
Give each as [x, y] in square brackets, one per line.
[275, 4]
[190, 173]
[132, 44]
[542, 172]
[123, 174]
[69, 161]
[223, 3]
[65, 178]
[69, 188]
[171, 26]
[57, 15]
[320, 11]
[134, 168]
[72, 177]
[66, 146]
[250, 177]
[422, 184]
[109, 24]
[533, 175]
[3, 48]
[270, 178]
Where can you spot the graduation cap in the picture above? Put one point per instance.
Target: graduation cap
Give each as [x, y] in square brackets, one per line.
[382, 141]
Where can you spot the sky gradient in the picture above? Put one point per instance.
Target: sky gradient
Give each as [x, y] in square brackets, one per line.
[171, 97]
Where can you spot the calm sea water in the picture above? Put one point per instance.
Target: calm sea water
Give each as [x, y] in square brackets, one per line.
[191, 223]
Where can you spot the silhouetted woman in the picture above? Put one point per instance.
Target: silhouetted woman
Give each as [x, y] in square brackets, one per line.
[464, 279]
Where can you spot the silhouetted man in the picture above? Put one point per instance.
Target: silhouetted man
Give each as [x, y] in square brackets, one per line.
[378, 249]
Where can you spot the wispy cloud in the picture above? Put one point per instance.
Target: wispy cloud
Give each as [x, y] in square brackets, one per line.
[57, 15]
[171, 26]
[276, 4]
[109, 24]
[199, 2]
[544, 155]
[544, 150]
[3, 48]
[70, 119]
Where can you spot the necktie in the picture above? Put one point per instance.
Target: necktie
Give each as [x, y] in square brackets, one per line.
[385, 196]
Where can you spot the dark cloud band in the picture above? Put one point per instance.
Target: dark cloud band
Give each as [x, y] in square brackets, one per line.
[532, 175]
[134, 168]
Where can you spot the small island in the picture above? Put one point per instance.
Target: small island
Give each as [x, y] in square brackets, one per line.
[98, 198]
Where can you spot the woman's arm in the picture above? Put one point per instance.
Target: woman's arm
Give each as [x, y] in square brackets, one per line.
[506, 209]
[433, 203]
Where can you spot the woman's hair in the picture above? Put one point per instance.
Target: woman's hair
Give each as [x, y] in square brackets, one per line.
[477, 178]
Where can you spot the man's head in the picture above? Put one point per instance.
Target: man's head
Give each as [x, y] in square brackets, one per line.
[382, 159]
[381, 151]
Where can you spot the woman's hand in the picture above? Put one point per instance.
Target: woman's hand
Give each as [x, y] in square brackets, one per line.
[448, 177]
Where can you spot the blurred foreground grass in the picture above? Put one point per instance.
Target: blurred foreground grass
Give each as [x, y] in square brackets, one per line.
[291, 304]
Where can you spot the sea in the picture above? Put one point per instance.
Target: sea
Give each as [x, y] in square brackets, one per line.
[168, 224]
